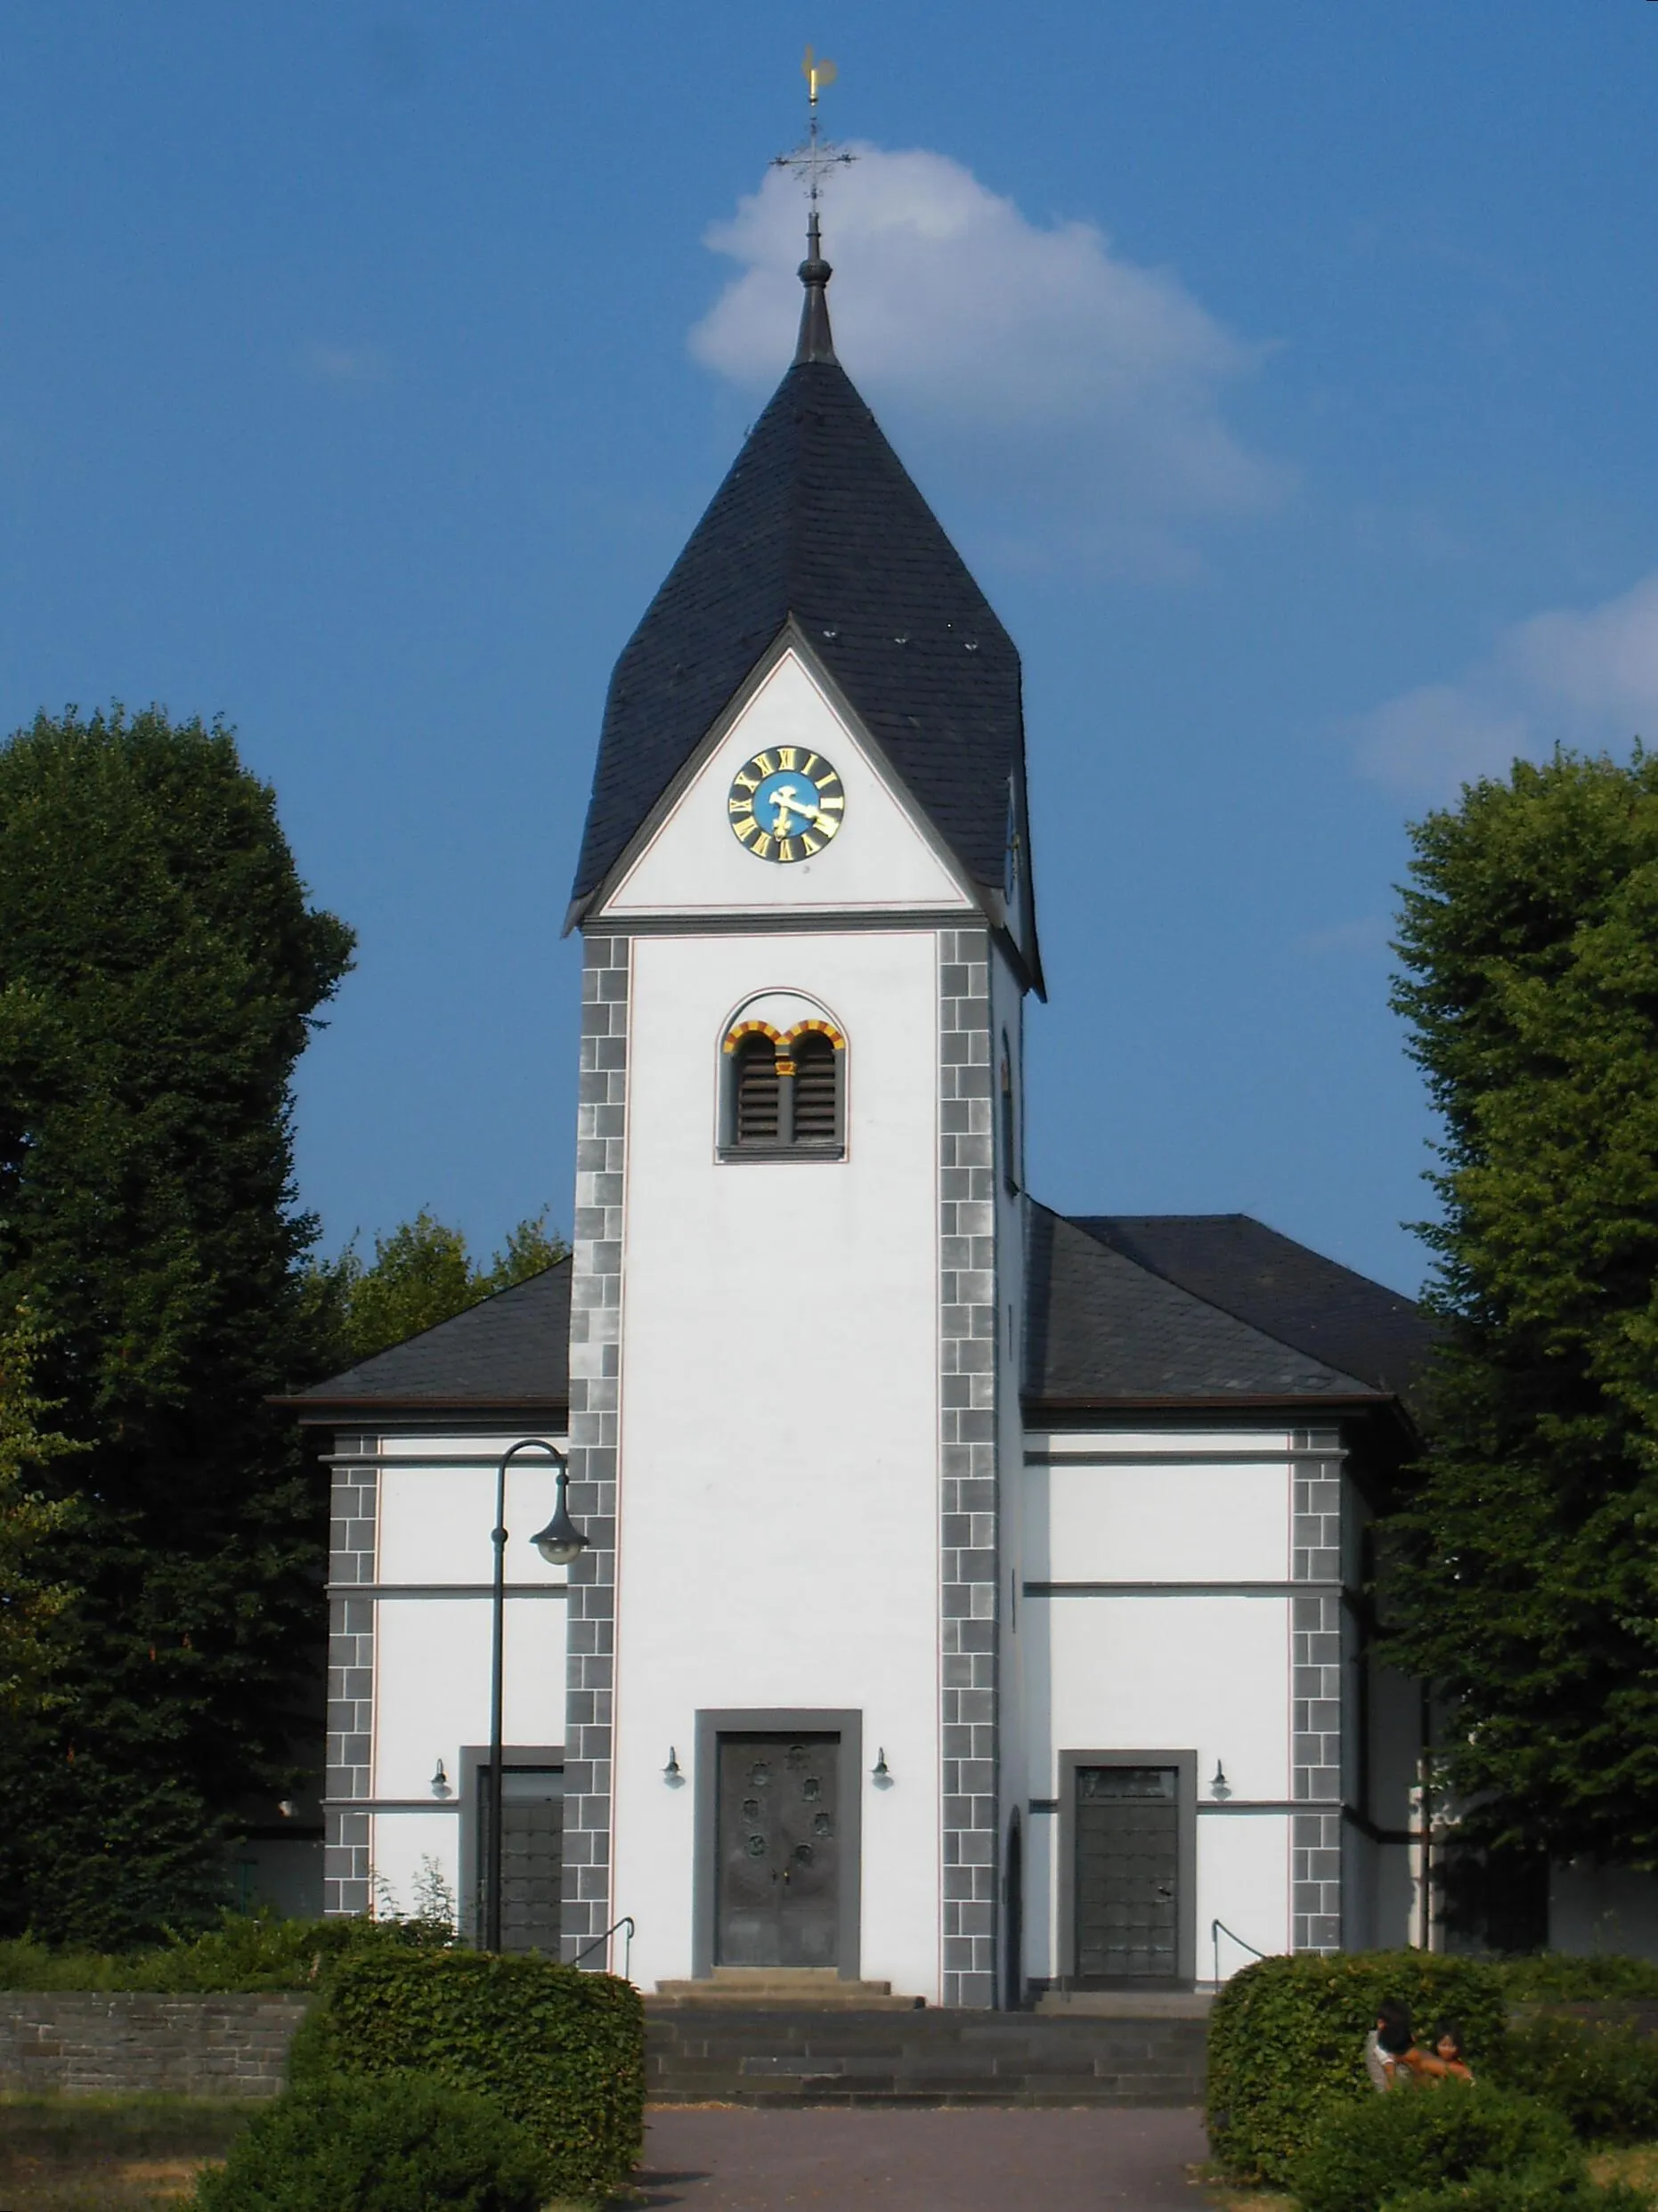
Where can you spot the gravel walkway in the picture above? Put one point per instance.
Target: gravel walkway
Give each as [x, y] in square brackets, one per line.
[738, 2160]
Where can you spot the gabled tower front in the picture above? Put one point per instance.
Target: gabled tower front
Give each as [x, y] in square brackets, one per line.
[806, 903]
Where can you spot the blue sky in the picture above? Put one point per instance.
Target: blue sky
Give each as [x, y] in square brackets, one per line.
[1284, 373]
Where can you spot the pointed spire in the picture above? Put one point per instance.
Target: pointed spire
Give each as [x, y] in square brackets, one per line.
[816, 342]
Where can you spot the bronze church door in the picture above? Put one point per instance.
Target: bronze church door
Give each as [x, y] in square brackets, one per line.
[779, 1856]
[1127, 1873]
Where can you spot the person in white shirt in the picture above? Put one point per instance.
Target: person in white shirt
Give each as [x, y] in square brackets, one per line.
[1389, 2046]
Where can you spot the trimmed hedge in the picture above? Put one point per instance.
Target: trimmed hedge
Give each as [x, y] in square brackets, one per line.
[1604, 2079]
[1558, 1977]
[403, 2144]
[1286, 2043]
[1421, 2138]
[562, 2052]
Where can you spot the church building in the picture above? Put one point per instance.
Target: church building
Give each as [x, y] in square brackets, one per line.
[973, 1597]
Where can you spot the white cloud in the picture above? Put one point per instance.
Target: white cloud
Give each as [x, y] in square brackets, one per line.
[344, 364]
[1587, 679]
[1090, 386]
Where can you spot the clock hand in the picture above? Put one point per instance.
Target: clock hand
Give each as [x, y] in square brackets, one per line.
[785, 800]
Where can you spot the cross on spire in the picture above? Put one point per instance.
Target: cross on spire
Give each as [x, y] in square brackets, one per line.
[812, 160]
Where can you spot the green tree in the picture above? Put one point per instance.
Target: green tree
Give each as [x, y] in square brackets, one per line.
[1526, 1581]
[32, 1598]
[160, 969]
[421, 1274]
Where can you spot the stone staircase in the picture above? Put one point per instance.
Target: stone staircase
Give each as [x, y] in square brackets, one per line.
[776, 2040]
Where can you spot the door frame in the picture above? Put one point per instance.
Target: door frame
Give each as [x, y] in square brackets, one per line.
[777, 1720]
[1185, 1765]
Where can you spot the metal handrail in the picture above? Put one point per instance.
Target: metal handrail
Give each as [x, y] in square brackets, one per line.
[626, 1952]
[1217, 1928]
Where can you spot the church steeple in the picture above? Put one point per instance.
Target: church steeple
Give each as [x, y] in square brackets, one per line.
[817, 341]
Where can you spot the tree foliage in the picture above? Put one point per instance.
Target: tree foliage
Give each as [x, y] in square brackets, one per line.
[1526, 1586]
[160, 969]
[32, 1599]
[422, 1273]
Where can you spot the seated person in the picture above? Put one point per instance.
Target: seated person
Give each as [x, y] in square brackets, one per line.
[1445, 2062]
[1390, 2046]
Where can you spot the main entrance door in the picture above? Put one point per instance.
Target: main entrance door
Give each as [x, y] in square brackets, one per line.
[779, 1854]
[1127, 1873]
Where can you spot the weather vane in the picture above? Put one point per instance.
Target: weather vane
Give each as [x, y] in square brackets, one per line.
[812, 161]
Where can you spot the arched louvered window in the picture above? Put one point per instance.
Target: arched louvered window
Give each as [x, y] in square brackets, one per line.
[783, 1090]
[756, 1092]
[816, 1090]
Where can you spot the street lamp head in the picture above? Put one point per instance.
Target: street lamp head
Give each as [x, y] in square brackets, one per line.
[561, 1542]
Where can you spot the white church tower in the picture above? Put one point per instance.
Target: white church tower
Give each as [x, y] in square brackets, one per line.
[805, 899]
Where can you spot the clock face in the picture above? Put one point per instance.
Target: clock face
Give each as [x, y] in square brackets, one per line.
[785, 804]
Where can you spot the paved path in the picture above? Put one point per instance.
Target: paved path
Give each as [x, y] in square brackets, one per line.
[733, 2160]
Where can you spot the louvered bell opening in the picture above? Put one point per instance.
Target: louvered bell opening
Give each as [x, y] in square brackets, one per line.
[756, 1092]
[816, 1119]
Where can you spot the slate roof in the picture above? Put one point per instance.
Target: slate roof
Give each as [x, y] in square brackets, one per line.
[1101, 1329]
[818, 521]
[510, 1350]
[1177, 1309]
[1276, 1285]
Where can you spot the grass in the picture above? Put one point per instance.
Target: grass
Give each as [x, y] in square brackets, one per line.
[1637, 2164]
[108, 2154]
[117, 2154]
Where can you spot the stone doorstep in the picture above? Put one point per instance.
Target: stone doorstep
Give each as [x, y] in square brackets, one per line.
[767, 1989]
[1127, 2003]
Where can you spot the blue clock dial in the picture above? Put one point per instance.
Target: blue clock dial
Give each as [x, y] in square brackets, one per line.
[787, 804]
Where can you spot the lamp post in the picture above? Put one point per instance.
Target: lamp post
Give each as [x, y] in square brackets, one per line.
[558, 1543]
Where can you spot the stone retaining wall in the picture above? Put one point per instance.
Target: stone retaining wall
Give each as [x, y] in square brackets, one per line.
[79, 2044]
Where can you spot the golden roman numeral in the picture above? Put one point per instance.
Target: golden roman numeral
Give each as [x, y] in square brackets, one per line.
[788, 756]
[809, 844]
[785, 848]
[748, 783]
[746, 829]
[809, 766]
[740, 806]
[762, 845]
[831, 802]
[764, 762]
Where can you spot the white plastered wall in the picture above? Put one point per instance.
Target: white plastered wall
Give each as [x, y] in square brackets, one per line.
[433, 1569]
[1207, 1672]
[779, 1521]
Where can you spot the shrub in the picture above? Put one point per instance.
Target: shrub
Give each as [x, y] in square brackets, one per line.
[1604, 2079]
[246, 1951]
[1556, 1978]
[403, 2144]
[562, 2051]
[1286, 2043]
[1543, 2189]
[1365, 2155]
